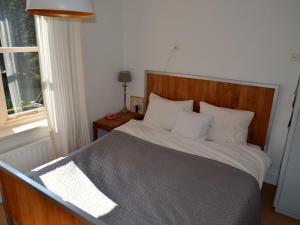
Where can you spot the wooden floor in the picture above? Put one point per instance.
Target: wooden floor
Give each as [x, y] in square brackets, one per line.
[269, 217]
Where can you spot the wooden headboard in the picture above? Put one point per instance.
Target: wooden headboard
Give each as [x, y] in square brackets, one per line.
[255, 97]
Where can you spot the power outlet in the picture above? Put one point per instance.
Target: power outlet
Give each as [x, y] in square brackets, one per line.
[295, 57]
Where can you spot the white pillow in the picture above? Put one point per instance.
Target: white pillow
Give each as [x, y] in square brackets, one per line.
[228, 125]
[163, 113]
[192, 125]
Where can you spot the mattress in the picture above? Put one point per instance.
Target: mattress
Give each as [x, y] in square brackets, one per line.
[248, 158]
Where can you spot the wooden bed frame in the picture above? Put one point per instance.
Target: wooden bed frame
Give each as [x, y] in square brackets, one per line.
[28, 203]
[249, 96]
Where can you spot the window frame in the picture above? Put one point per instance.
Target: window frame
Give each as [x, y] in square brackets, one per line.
[17, 118]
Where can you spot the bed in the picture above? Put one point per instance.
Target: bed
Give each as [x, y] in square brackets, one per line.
[140, 174]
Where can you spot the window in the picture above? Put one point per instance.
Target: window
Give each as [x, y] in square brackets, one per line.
[20, 81]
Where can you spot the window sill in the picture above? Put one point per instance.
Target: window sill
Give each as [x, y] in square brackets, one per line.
[26, 117]
[20, 127]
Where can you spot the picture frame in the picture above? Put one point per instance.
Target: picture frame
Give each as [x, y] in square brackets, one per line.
[137, 104]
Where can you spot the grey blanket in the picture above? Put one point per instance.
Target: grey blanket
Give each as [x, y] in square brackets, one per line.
[154, 185]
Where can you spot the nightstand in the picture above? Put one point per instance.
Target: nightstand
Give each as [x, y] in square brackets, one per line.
[105, 125]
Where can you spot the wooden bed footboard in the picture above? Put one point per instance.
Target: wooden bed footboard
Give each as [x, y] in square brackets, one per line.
[29, 203]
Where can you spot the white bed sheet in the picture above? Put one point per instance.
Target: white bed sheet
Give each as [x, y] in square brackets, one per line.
[244, 157]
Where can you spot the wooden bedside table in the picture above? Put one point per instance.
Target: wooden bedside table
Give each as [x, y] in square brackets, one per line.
[109, 125]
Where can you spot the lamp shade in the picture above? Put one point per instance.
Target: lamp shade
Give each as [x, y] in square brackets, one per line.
[61, 8]
[124, 76]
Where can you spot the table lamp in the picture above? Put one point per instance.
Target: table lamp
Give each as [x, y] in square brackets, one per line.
[124, 77]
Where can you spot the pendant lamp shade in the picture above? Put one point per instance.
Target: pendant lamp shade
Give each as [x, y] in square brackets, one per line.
[61, 8]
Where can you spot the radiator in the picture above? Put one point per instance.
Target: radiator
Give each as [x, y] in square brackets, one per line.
[30, 156]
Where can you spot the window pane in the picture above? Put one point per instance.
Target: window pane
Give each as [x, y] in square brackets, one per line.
[16, 26]
[22, 81]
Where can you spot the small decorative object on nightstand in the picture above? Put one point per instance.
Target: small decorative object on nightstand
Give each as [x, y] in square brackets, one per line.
[124, 77]
[105, 125]
[137, 104]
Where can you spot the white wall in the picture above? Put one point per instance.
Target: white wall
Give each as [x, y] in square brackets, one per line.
[238, 39]
[103, 58]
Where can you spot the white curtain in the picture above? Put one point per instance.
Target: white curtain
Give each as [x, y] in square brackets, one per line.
[63, 83]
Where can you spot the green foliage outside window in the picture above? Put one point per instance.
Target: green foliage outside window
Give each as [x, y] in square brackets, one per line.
[17, 29]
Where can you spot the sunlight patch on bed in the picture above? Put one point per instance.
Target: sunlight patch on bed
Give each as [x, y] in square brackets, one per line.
[72, 185]
[47, 164]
